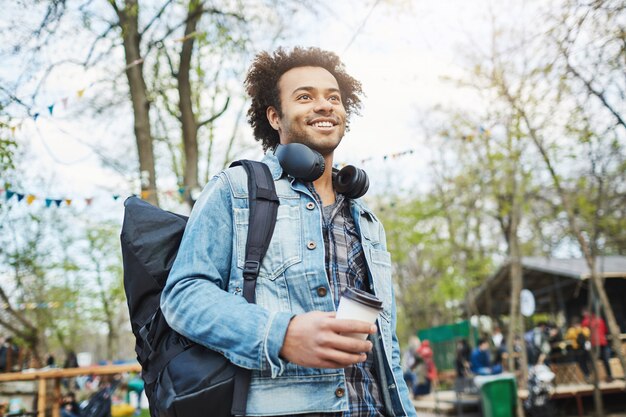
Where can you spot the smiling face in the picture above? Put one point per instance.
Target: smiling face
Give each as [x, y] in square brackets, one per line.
[312, 112]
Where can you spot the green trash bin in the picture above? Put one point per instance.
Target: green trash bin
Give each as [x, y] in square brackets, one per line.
[498, 394]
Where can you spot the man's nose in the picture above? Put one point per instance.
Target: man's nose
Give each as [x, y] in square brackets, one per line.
[323, 105]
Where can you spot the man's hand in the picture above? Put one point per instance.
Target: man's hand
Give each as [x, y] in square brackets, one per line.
[315, 340]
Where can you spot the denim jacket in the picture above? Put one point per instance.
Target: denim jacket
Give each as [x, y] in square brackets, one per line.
[203, 297]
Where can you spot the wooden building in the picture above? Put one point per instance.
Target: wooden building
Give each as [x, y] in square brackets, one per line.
[559, 286]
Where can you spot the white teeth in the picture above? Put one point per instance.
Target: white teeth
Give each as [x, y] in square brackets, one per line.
[323, 124]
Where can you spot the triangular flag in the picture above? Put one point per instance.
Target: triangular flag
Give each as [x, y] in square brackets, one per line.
[20, 197]
[88, 201]
[30, 198]
[116, 196]
[145, 194]
[48, 202]
[80, 93]
[58, 202]
[68, 201]
[13, 130]
[51, 108]
[35, 116]
[181, 190]
[64, 101]
[9, 194]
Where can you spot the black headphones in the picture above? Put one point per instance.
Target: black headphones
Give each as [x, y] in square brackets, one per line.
[305, 164]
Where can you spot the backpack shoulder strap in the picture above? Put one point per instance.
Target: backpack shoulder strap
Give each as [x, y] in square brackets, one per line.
[263, 208]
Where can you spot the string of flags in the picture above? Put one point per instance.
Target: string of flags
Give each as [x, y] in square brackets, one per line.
[480, 131]
[33, 306]
[15, 124]
[49, 202]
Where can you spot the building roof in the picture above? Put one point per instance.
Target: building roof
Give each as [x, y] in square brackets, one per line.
[608, 266]
[544, 277]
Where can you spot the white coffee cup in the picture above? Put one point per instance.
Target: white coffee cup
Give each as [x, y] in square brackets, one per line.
[358, 305]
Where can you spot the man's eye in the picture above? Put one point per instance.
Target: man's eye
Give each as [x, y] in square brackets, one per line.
[304, 97]
[334, 98]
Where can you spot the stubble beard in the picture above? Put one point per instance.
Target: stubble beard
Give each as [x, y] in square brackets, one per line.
[324, 146]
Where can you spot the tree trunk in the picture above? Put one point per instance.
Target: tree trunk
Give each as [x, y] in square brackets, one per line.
[516, 276]
[128, 21]
[187, 116]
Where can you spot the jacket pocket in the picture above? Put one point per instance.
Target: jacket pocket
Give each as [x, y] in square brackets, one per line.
[380, 269]
[285, 248]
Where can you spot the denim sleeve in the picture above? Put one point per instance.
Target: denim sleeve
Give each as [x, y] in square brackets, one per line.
[196, 302]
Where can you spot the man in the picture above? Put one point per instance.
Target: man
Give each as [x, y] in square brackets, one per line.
[578, 337]
[598, 330]
[480, 362]
[323, 242]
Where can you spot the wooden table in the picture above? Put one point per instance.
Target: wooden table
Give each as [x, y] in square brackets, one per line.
[57, 374]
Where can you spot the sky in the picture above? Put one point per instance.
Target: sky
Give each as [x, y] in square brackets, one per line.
[402, 52]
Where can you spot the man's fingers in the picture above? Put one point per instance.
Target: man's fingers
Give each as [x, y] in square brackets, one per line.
[351, 326]
[345, 343]
[338, 359]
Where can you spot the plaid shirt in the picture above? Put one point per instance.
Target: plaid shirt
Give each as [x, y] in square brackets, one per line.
[346, 267]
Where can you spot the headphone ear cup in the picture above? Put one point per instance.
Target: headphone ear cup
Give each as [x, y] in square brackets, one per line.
[300, 161]
[351, 182]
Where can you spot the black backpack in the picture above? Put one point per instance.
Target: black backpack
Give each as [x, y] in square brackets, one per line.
[182, 378]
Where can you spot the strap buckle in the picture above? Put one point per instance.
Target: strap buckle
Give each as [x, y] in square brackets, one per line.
[251, 270]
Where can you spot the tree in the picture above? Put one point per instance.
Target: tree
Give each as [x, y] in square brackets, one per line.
[536, 90]
[179, 60]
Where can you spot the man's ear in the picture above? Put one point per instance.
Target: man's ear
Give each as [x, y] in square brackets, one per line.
[273, 117]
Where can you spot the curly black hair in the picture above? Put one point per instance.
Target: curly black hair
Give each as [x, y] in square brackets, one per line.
[262, 85]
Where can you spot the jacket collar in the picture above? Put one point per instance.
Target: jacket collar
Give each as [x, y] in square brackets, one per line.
[272, 163]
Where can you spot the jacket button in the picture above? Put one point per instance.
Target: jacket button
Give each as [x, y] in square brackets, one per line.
[310, 205]
[311, 245]
[339, 392]
[321, 291]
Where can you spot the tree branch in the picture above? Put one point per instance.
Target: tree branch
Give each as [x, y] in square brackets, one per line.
[155, 18]
[215, 116]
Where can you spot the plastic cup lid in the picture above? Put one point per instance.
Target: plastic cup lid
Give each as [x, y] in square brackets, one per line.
[365, 298]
